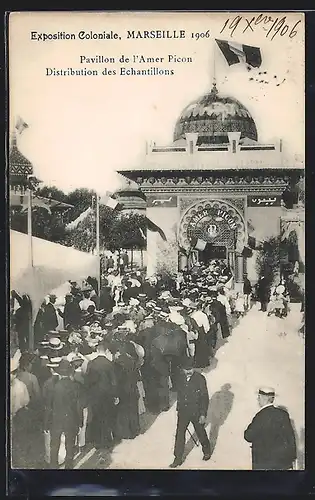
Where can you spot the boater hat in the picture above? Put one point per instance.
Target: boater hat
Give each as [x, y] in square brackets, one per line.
[55, 343]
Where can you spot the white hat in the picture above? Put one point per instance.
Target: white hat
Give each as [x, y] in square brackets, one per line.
[280, 289]
[176, 318]
[175, 308]
[134, 302]
[55, 343]
[267, 391]
[14, 364]
[186, 302]
[15, 360]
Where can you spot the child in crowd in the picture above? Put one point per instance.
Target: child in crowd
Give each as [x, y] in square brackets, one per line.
[239, 305]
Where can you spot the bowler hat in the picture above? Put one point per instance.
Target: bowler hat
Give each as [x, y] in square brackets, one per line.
[188, 364]
[64, 368]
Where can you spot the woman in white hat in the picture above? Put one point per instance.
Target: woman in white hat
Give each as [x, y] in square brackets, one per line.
[18, 391]
[19, 399]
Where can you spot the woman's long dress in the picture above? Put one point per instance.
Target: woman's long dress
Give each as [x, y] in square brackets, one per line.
[202, 351]
[101, 387]
[127, 418]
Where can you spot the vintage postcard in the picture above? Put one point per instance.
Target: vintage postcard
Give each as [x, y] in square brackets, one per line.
[156, 182]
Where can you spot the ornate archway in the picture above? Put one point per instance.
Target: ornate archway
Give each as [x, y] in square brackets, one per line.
[214, 221]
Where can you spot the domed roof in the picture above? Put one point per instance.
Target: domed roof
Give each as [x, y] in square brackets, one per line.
[212, 116]
[130, 190]
[19, 166]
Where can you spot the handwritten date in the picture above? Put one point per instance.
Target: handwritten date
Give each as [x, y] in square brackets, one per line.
[272, 25]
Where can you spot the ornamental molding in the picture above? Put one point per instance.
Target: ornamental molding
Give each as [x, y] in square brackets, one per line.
[204, 182]
[239, 203]
[199, 211]
[275, 189]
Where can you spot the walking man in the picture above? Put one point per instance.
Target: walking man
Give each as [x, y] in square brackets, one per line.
[63, 413]
[271, 435]
[263, 293]
[247, 290]
[192, 406]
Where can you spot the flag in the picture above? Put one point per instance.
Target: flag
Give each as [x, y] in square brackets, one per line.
[20, 125]
[109, 202]
[74, 224]
[235, 53]
[151, 226]
[183, 251]
[247, 252]
[287, 229]
[251, 242]
[200, 244]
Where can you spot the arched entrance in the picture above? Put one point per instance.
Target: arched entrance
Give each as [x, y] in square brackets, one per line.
[214, 229]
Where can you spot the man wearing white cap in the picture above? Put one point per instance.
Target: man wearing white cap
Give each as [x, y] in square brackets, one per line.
[271, 435]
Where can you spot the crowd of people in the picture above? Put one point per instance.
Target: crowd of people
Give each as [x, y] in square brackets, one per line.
[114, 352]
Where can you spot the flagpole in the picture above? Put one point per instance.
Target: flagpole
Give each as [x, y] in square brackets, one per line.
[29, 226]
[214, 81]
[31, 260]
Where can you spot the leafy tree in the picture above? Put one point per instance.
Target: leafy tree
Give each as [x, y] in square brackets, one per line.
[49, 226]
[268, 259]
[81, 199]
[52, 192]
[117, 230]
[126, 232]
[83, 237]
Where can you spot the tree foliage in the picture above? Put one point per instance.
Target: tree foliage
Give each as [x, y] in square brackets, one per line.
[117, 230]
[268, 259]
[49, 226]
[81, 199]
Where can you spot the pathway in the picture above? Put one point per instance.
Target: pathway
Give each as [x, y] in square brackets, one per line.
[261, 351]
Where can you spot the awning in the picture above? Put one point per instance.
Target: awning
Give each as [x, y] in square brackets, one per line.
[53, 265]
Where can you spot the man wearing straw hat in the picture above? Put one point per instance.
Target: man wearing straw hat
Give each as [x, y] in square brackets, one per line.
[271, 435]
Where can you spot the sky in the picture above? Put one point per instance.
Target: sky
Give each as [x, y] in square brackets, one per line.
[82, 129]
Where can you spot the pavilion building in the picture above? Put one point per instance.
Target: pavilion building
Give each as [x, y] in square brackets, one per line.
[213, 187]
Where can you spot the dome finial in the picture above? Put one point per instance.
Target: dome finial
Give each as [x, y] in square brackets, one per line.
[214, 90]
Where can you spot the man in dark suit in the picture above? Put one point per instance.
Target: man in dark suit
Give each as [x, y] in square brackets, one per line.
[263, 292]
[63, 412]
[101, 387]
[50, 319]
[271, 435]
[192, 406]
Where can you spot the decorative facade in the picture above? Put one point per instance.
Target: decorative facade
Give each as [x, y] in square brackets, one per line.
[213, 182]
